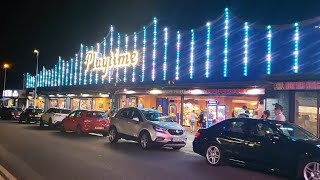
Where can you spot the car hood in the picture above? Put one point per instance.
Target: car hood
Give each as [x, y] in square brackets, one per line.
[168, 125]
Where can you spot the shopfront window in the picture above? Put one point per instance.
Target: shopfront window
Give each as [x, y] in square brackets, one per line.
[306, 111]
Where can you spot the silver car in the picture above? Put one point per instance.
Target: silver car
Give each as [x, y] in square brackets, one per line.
[148, 127]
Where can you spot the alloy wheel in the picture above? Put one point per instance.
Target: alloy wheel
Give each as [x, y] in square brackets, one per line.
[213, 155]
[144, 141]
[312, 171]
[112, 135]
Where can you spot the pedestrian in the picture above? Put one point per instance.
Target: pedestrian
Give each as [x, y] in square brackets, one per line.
[193, 117]
[244, 114]
[255, 115]
[201, 119]
[278, 113]
[243, 110]
[266, 114]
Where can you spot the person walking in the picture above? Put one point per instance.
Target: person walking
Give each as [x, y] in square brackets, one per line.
[201, 119]
[193, 117]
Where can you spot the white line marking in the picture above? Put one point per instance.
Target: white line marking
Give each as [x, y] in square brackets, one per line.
[95, 134]
[7, 174]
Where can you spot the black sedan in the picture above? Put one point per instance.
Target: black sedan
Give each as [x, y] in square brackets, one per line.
[31, 115]
[274, 145]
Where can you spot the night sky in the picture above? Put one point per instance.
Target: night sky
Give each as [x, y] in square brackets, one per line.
[57, 28]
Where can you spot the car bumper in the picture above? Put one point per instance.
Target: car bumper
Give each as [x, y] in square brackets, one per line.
[168, 140]
[199, 147]
[103, 129]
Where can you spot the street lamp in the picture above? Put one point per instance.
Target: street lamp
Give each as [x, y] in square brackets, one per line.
[36, 80]
[5, 67]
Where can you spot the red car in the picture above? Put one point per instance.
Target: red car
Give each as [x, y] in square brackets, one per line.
[84, 122]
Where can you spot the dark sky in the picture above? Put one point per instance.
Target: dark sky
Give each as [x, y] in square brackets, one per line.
[57, 28]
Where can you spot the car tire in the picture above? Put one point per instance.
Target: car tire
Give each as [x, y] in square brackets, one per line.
[50, 123]
[214, 155]
[309, 170]
[20, 120]
[28, 121]
[145, 140]
[113, 135]
[62, 129]
[176, 148]
[79, 130]
[41, 123]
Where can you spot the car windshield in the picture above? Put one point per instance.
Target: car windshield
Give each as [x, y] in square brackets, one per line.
[294, 131]
[156, 116]
[37, 111]
[96, 114]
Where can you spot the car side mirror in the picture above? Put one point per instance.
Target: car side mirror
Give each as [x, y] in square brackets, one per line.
[135, 119]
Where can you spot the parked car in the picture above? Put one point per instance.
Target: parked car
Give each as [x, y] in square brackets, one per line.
[31, 115]
[146, 127]
[11, 113]
[54, 116]
[266, 144]
[84, 122]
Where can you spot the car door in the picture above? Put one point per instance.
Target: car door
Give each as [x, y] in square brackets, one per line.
[134, 126]
[122, 121]
[233, 139]
[47, 115]
[68, 122]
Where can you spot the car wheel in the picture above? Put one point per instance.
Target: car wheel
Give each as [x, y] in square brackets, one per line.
[145, 141]
[311, 170]
[41, 123]
[20, 120]
[79, 131]
[176, 148]
[28, 121]
[62, 129]
[113, 135]
[50, 123]
[213, 155]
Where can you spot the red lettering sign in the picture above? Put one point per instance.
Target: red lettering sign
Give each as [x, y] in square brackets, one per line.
[300, 85]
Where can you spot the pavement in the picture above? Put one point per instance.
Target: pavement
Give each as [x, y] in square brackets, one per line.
[29, 152]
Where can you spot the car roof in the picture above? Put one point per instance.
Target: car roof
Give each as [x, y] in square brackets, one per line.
[265, 120]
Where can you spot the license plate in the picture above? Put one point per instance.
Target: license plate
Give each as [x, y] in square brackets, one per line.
[99, 127]
[177, 139]
[37, 116]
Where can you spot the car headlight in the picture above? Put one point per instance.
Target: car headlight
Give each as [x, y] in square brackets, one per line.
[159, 129]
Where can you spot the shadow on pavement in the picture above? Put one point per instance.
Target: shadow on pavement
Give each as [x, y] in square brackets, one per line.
[37, 127]
[72, 135]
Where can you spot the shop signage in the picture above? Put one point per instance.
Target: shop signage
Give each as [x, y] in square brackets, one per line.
[93, 61]
[213, 102]
[302, 85]
[10, 93]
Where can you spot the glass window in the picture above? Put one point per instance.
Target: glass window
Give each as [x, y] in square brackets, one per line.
[79, 114]
[260, 128]
[72, 114]
[237, 126]
[124, 113]
[96, 114]
[137, 114]
[294, 131]
[306, 111]
[64, 111]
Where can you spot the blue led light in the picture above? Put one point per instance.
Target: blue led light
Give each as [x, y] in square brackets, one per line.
[76, 71]
[134, 48]
[165, 54]
[59, 71]
[91, 71]
[246, 39]
[118, 50]
[191, 54]
[226, 37]
[126, 50]
[55, 75]
[296, 49]
[71, 72]
[178, 56]
[96, 71]
[154, 48]
[111, 52]
[80, 67]
[63, 73]
[67, 73]
[49, 78]
[208, 50]
[144, 52]
[104, 54]
[85, 77]
[269, 57]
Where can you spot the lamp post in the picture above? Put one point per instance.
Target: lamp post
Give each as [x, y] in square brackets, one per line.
[36, 79]
[5, 67]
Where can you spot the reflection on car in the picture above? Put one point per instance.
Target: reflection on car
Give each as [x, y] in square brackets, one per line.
[266, 144]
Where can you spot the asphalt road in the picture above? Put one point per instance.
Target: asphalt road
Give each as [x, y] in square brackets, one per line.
[29, 152]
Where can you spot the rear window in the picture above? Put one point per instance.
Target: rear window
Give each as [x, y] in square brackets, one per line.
[96, 114]
[63, 111]
[38, 111]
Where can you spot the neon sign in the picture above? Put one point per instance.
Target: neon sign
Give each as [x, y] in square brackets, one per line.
[97, 63]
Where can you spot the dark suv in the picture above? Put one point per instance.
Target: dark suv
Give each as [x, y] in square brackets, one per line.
[31, 115]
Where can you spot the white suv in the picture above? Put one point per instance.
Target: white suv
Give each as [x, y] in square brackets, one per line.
[147, 127]
[54, 116]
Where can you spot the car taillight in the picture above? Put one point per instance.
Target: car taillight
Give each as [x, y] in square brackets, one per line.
[12, 113]
[197, 134]
[30, 115]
